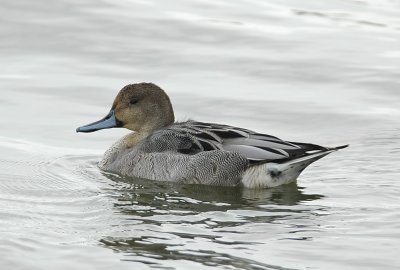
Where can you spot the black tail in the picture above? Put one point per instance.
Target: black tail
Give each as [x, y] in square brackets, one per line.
[312, 147]
[338, 147]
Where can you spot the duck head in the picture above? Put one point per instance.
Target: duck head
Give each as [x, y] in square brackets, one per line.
[141, 107]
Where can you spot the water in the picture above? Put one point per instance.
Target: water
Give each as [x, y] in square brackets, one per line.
[324, 72]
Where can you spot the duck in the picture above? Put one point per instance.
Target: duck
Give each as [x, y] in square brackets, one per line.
[193, 152]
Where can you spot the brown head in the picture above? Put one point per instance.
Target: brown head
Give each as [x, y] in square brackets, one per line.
[141, 107]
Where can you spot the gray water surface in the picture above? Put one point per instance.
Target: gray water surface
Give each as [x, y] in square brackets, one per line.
[323, 72]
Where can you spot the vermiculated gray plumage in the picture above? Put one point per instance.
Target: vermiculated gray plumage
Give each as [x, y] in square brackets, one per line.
[211, 154]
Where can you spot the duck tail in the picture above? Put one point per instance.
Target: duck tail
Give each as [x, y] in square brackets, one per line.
[338, 147]
[302, 162]
[275, 174]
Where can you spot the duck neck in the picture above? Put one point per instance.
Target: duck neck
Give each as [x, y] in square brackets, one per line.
[134, 138]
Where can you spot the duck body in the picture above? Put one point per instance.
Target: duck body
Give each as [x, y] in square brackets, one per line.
[211, 154]
[196, 152]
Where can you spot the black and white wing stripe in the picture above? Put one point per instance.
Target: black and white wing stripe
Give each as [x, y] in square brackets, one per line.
[193, 137]
[254, 146]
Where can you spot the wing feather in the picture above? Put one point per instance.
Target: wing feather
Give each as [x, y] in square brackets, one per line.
[193, 137]
[252, 152]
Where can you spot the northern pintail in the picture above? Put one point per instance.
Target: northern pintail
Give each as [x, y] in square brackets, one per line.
[195, 152]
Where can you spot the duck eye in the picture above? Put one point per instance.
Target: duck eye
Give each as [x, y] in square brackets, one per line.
[133, 101]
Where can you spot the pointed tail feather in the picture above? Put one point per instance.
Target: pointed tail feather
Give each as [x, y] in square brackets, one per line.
[272, 174]
[299, 164]
[307, 160]
[310, 158]
[339, 147]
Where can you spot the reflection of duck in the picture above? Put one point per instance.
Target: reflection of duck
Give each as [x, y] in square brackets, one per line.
[167, 196]
[195, 152]
[232, 198]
